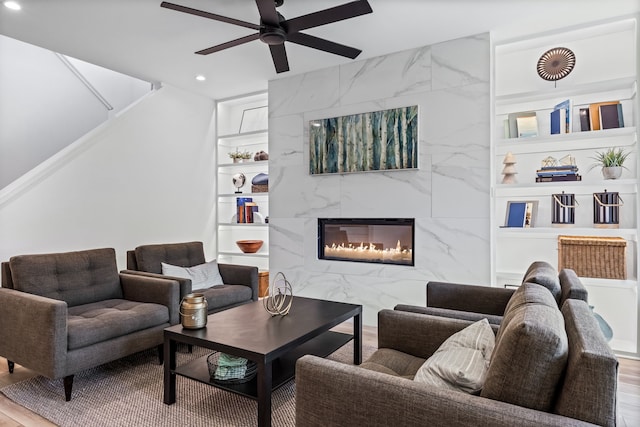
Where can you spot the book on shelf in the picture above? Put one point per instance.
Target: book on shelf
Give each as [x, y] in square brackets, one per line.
[558, 122]
[558, 178]
[611, 116]
[565, 124]
[594, 113]
[585, 122]
[522, 122]
[241, 210]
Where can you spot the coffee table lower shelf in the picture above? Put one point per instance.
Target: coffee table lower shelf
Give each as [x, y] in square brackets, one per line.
[283, 367]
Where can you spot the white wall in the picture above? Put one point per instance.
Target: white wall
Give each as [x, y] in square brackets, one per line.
[44, 107]
[145, 176]
[448, 195]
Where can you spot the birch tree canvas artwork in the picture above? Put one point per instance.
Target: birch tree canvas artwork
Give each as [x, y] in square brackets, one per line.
[374, 141]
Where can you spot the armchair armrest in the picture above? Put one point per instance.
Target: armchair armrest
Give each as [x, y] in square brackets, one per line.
[236, 274]
[474, 298]
[416, 334]
[330, 393]
[33, 331]
[155, 290]
[185, 284]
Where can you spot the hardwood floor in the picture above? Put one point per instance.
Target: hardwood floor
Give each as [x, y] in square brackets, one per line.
[13, 415]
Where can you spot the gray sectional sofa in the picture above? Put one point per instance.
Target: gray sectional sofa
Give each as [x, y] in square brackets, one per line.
[551, 366]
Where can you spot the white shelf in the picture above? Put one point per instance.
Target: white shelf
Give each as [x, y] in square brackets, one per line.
[553, 232]
[230, 115]
[227, 195]
[515, 84]
[569, 141]
[625, 84]
[239, 253]
[235, 137]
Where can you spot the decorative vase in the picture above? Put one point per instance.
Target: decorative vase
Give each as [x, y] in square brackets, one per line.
[612, 172]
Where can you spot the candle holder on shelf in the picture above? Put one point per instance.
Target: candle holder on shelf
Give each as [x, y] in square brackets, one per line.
[563, 210]
[606, 209]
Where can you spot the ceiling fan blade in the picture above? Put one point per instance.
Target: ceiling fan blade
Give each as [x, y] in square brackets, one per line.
[327, 16]
[209, 15]
[323, 44]
[279, 56]
[267, 10]
[232, 43]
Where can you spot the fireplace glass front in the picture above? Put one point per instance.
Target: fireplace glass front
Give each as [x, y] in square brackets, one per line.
[376, 240]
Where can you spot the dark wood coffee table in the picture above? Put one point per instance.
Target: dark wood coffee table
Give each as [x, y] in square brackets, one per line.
[274, 343]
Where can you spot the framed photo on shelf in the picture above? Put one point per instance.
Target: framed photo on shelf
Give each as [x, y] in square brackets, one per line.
[521, 214]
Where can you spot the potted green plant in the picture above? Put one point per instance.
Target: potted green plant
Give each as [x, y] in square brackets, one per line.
[611, 161]
[239, 156]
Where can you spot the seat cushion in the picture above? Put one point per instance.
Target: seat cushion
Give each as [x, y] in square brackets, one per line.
[531, 351]
[150, 257]
[93, 323]
[393, 362]
[78, 278]
[226, 295]
[546, 275]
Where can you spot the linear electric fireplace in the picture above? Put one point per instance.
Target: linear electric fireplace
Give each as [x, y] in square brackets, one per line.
[377, 240]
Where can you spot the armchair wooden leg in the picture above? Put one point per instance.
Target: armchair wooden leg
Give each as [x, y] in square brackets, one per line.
[68, 385]
[161, 353]
[11, 366]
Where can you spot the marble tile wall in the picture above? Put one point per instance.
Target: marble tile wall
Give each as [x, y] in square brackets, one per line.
[448, 195]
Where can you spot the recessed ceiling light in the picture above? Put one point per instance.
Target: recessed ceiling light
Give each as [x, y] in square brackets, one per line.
[200, 78]
[13, 5]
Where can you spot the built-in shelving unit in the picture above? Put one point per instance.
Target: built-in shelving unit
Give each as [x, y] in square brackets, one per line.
[241, 126]
[600, 75]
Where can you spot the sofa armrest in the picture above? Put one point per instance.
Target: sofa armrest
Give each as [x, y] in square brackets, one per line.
[185, 284]
[330, 393]
[33, 331]
[154, 290]
[453, 314]
[474, 298]
[416, 334]
[236, 274]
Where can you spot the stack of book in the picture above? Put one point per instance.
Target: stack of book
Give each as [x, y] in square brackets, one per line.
[558, 173]
[246, 208]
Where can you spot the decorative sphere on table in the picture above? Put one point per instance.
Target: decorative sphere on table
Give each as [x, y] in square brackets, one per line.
[238, 181]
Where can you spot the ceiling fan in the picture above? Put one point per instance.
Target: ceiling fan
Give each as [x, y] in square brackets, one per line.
[274, 29]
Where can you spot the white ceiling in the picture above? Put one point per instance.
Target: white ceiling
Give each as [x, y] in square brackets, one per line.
[139, 38]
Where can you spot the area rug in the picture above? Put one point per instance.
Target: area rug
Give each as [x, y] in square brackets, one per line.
[129, 392]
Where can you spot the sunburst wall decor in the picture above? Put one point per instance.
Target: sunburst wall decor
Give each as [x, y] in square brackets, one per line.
[556, 63]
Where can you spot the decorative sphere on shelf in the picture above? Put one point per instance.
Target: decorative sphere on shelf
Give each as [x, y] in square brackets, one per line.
[238, 181]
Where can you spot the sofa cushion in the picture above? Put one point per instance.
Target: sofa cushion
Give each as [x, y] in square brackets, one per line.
[393, 362]
[546, 275]
[226, 295]
[202, 276]
[590, 383]
[80, 277]
[97, 322]
[150, 257]
[530, 353]
[571, 286]
[461, 362]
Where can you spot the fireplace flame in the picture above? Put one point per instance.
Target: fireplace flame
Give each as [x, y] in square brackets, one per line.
[368, 251]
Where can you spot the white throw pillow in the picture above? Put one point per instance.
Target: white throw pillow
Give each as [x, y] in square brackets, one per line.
[202, 276]
[462, 361]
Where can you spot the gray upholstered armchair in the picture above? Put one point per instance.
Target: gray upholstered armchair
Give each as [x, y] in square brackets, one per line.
[240, 281]
[62, 313]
